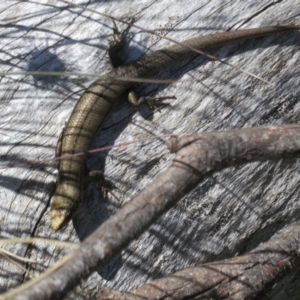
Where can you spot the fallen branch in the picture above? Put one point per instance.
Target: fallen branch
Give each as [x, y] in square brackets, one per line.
[198, 156]
[243, 277]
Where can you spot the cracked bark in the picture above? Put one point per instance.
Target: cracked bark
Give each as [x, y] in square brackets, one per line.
[244, 277]
[230, 213]
[197, 156]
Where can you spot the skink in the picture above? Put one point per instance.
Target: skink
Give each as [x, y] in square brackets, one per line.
[98, 101]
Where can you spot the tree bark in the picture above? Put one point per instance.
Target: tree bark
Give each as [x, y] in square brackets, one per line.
[228, 214]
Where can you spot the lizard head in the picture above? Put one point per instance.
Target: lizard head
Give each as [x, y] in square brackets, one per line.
[61, 213]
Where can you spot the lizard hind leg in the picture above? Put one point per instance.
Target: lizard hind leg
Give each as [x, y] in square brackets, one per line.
[120, 35]
[118, 44]
[116, 61]
[148, 100]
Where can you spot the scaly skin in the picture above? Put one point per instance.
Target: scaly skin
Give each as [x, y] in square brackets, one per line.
[96, 104]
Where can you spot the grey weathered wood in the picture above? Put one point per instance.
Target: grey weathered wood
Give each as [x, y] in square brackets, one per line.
[230, 213]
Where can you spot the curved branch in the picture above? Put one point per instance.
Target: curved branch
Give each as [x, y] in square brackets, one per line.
[198, 156]
[243, 277]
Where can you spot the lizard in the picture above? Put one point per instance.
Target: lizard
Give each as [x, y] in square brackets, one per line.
[101, 97]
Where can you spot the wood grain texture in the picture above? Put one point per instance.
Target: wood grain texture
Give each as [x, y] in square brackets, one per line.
[228, 214]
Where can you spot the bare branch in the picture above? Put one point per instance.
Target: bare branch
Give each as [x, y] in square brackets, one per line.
[241, 277]
[198, 156]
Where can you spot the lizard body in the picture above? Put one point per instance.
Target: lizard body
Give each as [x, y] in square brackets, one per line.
[98, 101]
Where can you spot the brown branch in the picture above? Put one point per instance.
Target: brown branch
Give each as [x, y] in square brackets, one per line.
[243, 277]
[198, 156]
